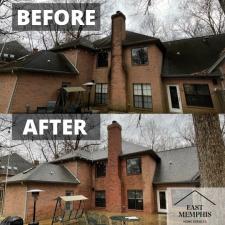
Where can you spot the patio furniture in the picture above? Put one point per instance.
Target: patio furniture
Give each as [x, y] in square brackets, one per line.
[124, 219]
[96, 219]
[64, 216]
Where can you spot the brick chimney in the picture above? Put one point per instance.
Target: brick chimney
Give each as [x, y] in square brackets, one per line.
[113, 190]
[117, 80]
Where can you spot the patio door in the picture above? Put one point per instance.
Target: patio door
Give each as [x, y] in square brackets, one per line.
[161, 201]
[174, 99]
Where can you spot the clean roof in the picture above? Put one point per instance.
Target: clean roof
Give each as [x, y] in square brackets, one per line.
[177, 166]
[15, 161]
[45, 173]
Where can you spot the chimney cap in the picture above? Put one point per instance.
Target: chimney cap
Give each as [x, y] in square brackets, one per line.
[119, 13]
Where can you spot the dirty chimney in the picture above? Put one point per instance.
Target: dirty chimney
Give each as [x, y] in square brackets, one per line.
[117, 80]
[113, 191]
[36, 162]
[35, 50]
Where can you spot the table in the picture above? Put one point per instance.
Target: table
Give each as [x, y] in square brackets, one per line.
[125, 219]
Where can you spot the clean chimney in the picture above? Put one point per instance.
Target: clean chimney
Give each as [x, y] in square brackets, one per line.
[117, 80]
[113, 191]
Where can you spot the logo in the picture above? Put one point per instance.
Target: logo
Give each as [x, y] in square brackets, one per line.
[195, 206]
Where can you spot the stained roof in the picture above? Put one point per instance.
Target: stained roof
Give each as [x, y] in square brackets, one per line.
[80, 42]
[132, 38]
[192, 56]
[14, 48]
[42, 61]
[177, 166]
[45, 173]
[127, 149]
[15, 161]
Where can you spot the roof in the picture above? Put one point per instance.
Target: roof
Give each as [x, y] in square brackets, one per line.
[74, 89]
[17, 164]
[73, 198]
[80, 42]
[102, 154]
[42, 61]
[45, 173]
[132, 38]
[14, 48]
[177, 166]
[193, 56]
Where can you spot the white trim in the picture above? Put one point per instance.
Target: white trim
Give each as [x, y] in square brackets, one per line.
[158, 202]
[171, 109]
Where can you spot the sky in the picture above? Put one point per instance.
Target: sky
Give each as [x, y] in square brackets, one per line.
[133, 130]
[164, 9]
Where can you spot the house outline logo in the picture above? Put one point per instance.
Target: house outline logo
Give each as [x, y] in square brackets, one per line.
[191, 193]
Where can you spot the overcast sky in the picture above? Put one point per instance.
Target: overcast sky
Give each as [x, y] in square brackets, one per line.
[164, 9]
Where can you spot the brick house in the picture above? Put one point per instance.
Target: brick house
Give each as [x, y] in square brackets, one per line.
[125, 177]
[132, 72]
[10, 165]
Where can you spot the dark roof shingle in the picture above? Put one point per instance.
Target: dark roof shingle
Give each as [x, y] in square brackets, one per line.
[13, 48]
[42, 61]
[192, 56]
[132, 38]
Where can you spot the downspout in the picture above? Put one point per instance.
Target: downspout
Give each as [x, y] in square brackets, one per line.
[11, 97]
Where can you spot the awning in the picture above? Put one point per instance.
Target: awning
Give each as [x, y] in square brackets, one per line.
[74, 89]
[73, 198]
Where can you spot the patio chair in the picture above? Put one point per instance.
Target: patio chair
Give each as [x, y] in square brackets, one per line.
[104, 220]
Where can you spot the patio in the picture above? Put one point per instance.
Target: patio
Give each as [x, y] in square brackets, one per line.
[104, 218]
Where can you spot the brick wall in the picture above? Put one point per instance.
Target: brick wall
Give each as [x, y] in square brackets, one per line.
[7, 86]
[83, 171]
[117, 82]
[36, 90]
[15, 200]
[195, 109]
[113, 190]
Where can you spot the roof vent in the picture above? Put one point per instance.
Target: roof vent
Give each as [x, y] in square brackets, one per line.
[26, 171]
[171, 163]
[178, 53]
[51, 172]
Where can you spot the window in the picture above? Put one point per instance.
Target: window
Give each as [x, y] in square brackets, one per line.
[198, 95]
[101, 92]
[69, 205]
[140, 56]
[135, 199]
[100, 198]
[142, 96]
[133, 166]
[102, 59]
[100, 169]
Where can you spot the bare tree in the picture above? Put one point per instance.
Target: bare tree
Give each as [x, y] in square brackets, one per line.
[201, 17]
